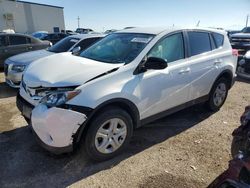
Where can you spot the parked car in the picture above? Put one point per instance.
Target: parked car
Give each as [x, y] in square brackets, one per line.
[243, 68]
[236, 176]
[241, 135]
[241, 41]
[127, 79]
[238, 173]
[15, 65]
[12, 44]
[40, 34]
[54, 37]
[83, 30]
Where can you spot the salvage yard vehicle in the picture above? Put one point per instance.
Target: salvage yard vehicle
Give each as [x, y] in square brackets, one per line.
[241, 41]
[54, 37]
[15, 65]
[127, 79]
[12, 44]
[238, 173]
[241, 135]
[243, 68]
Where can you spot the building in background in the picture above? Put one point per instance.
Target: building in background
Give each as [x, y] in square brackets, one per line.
[27, 17]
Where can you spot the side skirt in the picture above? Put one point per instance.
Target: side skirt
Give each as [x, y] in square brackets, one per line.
[174, 109]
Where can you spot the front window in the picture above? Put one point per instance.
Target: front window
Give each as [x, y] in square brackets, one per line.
[63, 45]
[118, 47]
[246, 30]
[170, 48]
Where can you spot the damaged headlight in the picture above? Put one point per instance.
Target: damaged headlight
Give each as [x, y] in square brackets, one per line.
[18, 68]
[59, 98]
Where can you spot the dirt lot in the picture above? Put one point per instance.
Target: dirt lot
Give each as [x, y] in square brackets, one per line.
[187, 149]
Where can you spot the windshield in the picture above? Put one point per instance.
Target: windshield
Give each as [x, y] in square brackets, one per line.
[118, 47]
[63, 45]
[246, 30]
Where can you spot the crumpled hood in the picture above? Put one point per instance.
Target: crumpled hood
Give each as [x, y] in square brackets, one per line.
[28, 57]
[241, 35]
[63, 70]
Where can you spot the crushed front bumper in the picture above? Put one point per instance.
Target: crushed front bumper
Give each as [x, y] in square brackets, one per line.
[55, 127]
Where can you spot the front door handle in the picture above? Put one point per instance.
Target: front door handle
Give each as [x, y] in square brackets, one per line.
[183, 71]
[217, 63]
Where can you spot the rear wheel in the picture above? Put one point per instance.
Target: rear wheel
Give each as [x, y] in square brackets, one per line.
[218, 94]
[108, 134]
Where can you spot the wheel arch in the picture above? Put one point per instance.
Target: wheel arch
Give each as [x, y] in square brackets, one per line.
[228, 74]
[122, 103]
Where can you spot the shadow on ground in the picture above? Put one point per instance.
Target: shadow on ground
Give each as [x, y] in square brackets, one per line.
[6, 91]
[24, 163]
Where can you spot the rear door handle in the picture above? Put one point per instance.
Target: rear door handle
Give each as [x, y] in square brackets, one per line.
[183, 71]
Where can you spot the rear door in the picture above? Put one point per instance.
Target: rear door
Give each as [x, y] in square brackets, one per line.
[3, 49]
[204, 63]
[17, 44]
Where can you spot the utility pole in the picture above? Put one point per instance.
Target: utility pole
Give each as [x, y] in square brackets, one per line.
[78, 21]
[247, 20]
[198, 23]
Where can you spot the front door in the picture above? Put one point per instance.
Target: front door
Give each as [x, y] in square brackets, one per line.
[161, 90]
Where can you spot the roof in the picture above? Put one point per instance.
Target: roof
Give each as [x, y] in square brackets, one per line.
[83, 36]
[158, 30]
[40, 4]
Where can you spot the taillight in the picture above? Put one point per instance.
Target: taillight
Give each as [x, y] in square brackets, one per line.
[235, 52]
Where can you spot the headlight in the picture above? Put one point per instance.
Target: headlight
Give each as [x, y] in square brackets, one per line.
[59, 98]
[18, 68]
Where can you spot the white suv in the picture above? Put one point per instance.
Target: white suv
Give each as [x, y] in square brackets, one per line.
[123, 81]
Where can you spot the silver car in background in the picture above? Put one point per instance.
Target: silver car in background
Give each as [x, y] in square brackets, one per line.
[15, 65]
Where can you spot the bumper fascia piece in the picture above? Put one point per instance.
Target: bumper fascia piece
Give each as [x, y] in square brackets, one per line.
[54, 127]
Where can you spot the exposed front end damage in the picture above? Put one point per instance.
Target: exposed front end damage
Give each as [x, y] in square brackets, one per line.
[55, 127]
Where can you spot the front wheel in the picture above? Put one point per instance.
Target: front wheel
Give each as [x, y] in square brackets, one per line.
[218, 94]
[109, 133]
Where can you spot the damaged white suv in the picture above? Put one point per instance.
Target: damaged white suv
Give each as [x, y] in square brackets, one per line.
[123, 81]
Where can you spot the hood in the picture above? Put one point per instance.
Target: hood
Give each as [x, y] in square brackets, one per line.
[28, 57]
[241, 35]
[64, 70]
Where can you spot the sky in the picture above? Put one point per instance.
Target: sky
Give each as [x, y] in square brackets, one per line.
[101, 15]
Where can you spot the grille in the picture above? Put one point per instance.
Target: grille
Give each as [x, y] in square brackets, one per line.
[6, 69]
[240, 39]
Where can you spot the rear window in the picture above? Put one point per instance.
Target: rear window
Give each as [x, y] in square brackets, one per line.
[17, 40]
[219, 39]
[2, 41]
[199, 42]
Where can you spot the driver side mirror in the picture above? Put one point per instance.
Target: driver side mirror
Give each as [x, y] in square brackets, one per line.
[155, 63]
[76, 50]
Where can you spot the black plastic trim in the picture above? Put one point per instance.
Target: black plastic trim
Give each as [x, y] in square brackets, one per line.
[174, 109]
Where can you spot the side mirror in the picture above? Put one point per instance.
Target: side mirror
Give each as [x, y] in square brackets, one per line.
[155, 63]
[76, 50]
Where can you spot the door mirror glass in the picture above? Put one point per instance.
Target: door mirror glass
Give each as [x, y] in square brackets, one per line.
[155, 63]
[76, 50]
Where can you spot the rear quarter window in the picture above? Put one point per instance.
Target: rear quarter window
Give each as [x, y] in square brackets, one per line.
[199, 42]
[218, 39]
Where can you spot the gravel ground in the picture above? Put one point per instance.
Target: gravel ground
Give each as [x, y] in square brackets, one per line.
[187, 149]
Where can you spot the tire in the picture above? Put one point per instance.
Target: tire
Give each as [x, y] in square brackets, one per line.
[238, 144]
[220, 84]
[102, 124]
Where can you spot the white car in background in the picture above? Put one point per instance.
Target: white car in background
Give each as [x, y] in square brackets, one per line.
[15, 65]
[127, 79]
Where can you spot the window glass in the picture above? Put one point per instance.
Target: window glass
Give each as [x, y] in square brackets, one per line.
[17, 40]
[170, 49]
[87, 42]
[199, 42]
[118, 47]
[219, 39]
[63, 45]
[28, 40]
[2, 41]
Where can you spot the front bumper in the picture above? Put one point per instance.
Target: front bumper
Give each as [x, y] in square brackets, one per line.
[24, 107]
[55, 127]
